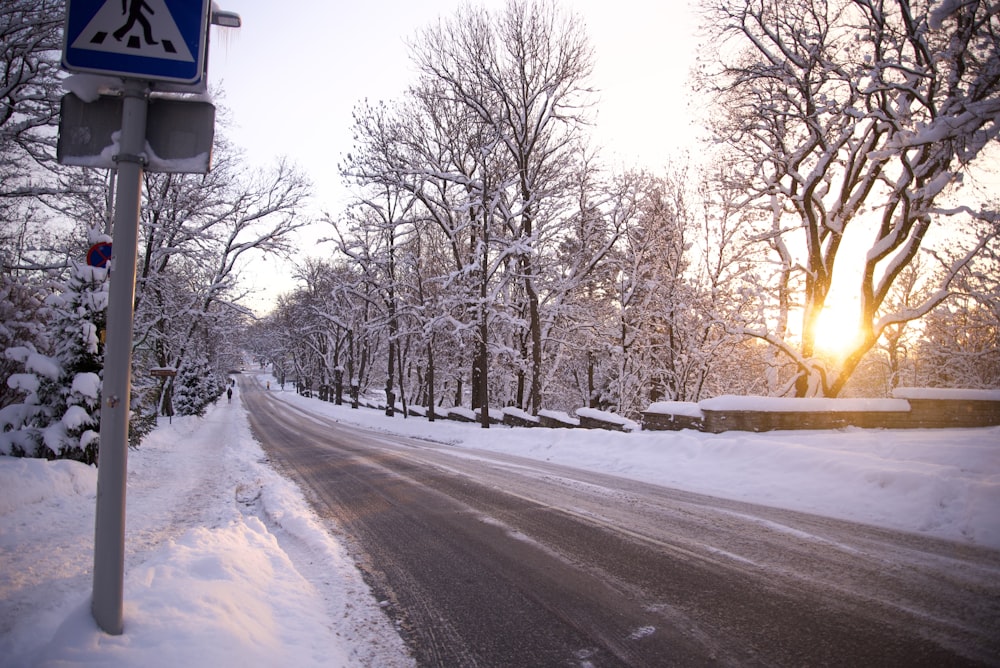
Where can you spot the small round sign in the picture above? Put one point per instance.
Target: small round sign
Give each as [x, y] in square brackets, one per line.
[99, 254]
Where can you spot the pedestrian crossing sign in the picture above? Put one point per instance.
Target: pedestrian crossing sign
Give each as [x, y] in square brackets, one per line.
[159, 40]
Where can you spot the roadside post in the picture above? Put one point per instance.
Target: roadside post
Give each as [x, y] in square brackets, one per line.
[147, 46]
[109, 549]
[163, 373]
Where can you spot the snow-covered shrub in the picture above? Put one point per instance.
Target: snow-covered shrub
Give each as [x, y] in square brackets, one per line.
[22, 314]
[58, 415]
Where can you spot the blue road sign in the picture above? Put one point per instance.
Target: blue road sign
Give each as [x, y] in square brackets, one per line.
[159, 40]
[99, 254]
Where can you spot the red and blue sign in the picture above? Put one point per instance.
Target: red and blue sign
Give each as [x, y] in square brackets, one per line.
[99, 254]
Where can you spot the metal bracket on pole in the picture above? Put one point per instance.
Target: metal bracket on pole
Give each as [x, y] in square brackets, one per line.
[130, 157]
[109, 530]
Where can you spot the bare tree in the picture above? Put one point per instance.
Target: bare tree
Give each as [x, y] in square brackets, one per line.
[959, 346]
[522, 72]
[30, 38]
[846, 113]
[443, 158]
[30, 43]
[198, 233]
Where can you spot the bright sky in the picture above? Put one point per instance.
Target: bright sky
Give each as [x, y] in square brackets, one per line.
[295, 71]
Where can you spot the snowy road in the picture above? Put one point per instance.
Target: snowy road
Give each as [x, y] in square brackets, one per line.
[493, 560]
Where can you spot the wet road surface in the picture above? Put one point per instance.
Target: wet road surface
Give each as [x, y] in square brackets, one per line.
[486, 559]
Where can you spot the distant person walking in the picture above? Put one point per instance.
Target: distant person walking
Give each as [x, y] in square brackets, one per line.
[229, 394]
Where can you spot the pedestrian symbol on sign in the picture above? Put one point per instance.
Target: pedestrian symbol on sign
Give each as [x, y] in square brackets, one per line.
[135, 15]
[134, 27]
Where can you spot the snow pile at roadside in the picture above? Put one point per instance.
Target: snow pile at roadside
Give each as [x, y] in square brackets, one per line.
[226, 563]
[25, 481]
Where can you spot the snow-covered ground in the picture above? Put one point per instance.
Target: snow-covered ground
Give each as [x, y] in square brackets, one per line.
[227, 565]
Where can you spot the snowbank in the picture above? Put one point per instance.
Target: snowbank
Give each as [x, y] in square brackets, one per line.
[226, 564]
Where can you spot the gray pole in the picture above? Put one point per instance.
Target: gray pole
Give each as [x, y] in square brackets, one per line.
[109, 222]
[109, 530]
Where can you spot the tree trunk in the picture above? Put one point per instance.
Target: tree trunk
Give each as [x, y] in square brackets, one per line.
[483, 389]
[430, 380]
[390, 396]
[591, 393]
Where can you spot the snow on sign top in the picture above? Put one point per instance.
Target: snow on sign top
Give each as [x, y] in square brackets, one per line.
[160, 40]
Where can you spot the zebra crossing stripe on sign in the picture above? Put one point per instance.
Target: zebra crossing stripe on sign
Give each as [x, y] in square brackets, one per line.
[136, 28]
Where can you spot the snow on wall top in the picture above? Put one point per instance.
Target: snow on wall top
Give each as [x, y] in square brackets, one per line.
[685, 408]
[801, 405]
[954, 394]
[605, 416]
[560, 416]
[520, 414]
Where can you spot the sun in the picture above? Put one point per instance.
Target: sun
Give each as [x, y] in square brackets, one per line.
[837, 330]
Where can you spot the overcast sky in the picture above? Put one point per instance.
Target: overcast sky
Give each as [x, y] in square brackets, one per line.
[294, 72]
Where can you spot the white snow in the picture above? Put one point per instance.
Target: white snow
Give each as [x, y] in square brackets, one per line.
[23, 382]
[957, 394]
[76, 417]
[34, 363]
[942, 12]
[88, 384]
[103, 160]
[198, 164]
[89, 87]
[464, 412]
[520, 414]
[684, 408]
[606, 416]
[559, 416]
[227, 565]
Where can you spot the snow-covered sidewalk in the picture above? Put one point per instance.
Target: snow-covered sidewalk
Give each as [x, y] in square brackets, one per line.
[227, 565]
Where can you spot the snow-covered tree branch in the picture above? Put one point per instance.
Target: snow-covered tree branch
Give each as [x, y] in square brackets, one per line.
[851, 114]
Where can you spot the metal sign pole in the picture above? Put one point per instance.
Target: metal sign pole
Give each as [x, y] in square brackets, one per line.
[109, 531]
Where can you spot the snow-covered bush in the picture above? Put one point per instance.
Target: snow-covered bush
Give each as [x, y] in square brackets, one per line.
[22, 313]
[58, 415]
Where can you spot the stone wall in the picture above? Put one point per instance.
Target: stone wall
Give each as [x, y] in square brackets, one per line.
[911, 408]
[519, 418]
[670, 422]
[938, 413]
[717, 422]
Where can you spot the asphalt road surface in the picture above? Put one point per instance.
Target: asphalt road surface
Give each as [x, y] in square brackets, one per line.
[492, 560]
